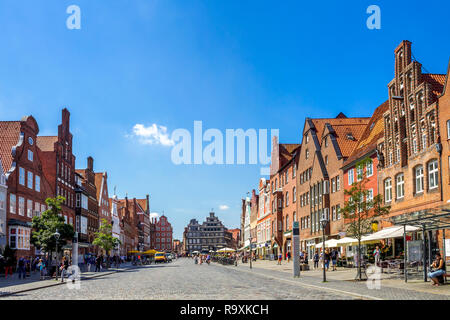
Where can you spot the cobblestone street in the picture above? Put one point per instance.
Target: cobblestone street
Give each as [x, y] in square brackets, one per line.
[183, 279]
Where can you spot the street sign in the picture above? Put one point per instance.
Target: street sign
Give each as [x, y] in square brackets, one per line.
[296, 248]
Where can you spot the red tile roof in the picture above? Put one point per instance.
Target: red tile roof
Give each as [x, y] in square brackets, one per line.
[98, 183]
[437, 82]
[9, 137]
[372, 132]
[46, 143]
[319, 123]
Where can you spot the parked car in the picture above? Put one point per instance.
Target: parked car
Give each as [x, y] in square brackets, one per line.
[160, 257]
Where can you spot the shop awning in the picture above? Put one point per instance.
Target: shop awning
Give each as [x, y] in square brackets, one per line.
[390, 232]
[332, 243]
[346, 240]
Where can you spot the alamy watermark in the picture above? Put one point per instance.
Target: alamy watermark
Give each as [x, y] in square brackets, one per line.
[212, 146]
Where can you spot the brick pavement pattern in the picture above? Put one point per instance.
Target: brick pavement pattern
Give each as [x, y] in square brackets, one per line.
[182, 279]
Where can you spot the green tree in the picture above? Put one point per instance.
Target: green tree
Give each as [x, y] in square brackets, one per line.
[45, 226]
[104, 238]
[361, 209]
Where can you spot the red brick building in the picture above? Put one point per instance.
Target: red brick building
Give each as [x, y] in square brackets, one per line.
[326, 145]
[164, 233]
[27, 186]
[88, 201]
[128, 222]
[367, 150]
[410, 173]
[143, 217]
[101, 185]
[58, 165]
[282, 186]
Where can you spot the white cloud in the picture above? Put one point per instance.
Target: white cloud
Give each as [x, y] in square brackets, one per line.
[224, 207]
[153, 134]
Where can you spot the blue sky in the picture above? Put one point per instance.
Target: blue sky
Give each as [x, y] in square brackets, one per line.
[231, 64]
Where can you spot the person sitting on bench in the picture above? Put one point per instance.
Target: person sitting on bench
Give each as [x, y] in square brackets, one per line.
[437, 271]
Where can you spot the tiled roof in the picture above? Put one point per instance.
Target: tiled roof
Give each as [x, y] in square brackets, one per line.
[437, 82]
[347, 145]
[9, 137]
[373, 131]
[142, 203]
[98, 183]
[46, 143]
[319, 123]
[287, 151]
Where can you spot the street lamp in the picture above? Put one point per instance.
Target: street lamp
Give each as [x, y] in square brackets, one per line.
[323, 222]
[57, 235]
[250, 246]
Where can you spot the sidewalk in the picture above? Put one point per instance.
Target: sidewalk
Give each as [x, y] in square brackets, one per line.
[347, 275]
[14, 285]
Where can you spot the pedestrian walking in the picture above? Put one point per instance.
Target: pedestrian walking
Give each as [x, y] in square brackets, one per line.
[98, 263]
[326, 259]
[288, 256]
[8, 267]
[280, 257]
[376, 254]
[21, 268]
[41, 266]
[316, 259]
[63, 267]
[334, 257]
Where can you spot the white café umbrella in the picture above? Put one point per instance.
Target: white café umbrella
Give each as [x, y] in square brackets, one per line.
[332, 243]
[226, 250]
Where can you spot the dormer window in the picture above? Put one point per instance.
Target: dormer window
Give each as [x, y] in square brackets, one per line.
[350, 136]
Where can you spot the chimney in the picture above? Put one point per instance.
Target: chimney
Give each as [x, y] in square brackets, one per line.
[148, 204]
[90, 163]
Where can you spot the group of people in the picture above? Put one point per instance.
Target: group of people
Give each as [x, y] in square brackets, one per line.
[199, 259]
[326, 257]
[25, 266]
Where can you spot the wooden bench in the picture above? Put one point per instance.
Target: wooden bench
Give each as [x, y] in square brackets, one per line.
[441, 278]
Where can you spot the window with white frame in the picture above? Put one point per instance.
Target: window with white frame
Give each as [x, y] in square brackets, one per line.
[351, 177]
[359, 172]
[338, 186]
[294, 194]
[369, 168]
[424, 141]
[37, 209]
[12, 203]
[19, 238]
[369, 197]
[2, 200]
[400, 186]
[30, 155]
[418, 179]
[448, 129]
[21, 206]
[37, 183]
[433, 174]
[21, 176]
[388, 190]
[414, 146]
[84, 201]
[30, 180]
[30, 208]
[338, 211]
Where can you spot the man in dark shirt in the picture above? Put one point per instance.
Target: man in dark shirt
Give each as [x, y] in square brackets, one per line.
[334, 257]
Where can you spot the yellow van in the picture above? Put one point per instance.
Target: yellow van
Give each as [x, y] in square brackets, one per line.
[160, 257]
